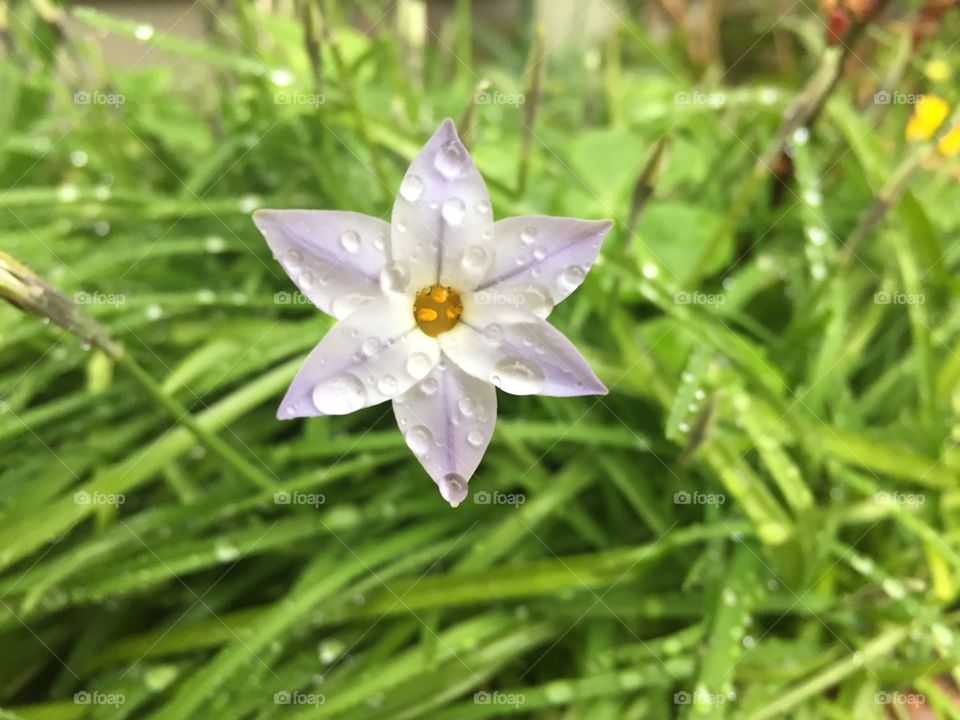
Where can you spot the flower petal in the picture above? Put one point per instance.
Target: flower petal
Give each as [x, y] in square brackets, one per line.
[519, 353]
[335, 258]
[442, 221]
[542, 259]
[447, 420]
[376, 353]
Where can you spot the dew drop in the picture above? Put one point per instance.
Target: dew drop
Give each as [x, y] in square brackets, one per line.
[344, 394]
[411, 188]
[475, 438]
[154, 312]
[453, 211]
[370, 346]
[429, 386]
[395, 277]
[528, 236]
[387, 385]
[143, 32]
[350, 241]
[419, 439]
[571, 278]
[225, 551]
[475, 260]
[493, 334]
[419, 365]
[467, 405]
[306, 280]
[451, 160]
[517, 376]
[453, 488]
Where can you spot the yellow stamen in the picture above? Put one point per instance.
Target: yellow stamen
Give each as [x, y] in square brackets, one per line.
[437, 309]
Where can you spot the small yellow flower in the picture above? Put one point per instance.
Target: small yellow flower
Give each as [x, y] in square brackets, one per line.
[937, 70]
[950, 143]
[928, 116]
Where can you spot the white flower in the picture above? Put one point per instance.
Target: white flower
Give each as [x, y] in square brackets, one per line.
[436, 308]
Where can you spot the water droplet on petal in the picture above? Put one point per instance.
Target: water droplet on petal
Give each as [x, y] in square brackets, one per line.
[370, 346]
[451, 160]
[539, 253]
[528, 236]
[345, 304]
[387, 385]
[291, 260]
[429, 386]
[395, 277]
[453, 211]
[493, 334]
[344, 394]
[419, 439]
[467, 405]
[483, 206]
[571, 278]
[475, 438]
[475, 260]
[517, 376]
[306, 280]
[350, 241]
[411, 188]
[419, 365]
[453, 488]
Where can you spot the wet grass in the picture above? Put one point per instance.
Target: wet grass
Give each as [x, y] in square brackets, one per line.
[761, 519]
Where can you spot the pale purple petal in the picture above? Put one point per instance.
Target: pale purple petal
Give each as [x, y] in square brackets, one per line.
[442, 223]
[519, 353]
[541, 259]
[447, 420]
[335, 258]
[375, 354]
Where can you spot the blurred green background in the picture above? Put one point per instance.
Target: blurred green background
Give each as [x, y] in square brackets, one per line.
[761, 520]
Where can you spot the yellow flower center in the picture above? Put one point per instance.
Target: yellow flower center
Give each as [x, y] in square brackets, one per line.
[437, 309]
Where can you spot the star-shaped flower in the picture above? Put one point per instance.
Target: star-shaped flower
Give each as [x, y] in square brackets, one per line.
[436, 308]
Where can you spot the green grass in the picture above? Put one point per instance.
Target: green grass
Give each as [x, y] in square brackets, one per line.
[763, 515]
